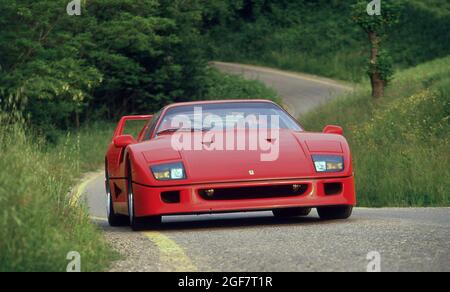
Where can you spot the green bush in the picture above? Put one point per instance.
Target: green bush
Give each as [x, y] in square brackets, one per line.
[226, 86]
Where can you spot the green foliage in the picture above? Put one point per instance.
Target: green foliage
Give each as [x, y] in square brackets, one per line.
[379, 24]
[215, 12]
[41, 66]
[320, 37]
[384, 66]
[224, 86]
[125, 56]
[421, 33]
[400, 144]
[377, 27]
[39, 227]
[120, 56]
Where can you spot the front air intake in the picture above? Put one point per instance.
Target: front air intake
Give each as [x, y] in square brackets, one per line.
[256, 192]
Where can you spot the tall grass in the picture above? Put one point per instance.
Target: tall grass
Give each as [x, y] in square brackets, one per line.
[400, 143]
[85, 148]
[38, 226]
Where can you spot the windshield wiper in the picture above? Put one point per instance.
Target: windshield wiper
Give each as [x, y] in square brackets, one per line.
[171, 130]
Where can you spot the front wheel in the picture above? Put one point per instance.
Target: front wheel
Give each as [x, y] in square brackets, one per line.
[114, 219]
[335, 213]
[138, 224]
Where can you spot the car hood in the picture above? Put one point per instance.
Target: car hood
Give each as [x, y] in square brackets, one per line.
[292, 151]
[284, 157]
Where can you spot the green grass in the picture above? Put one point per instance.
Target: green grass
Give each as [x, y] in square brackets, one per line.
[400, 143]
[39, 226]
[85, 147]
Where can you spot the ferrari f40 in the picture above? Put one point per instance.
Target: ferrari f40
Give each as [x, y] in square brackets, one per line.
[226, 156]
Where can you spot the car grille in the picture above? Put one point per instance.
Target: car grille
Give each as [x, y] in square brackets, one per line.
[254, 192]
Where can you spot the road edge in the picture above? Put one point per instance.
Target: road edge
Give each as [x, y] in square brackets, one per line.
[80, 188]
[287, 73]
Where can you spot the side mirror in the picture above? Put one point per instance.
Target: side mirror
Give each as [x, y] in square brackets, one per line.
[331, 129]
[123, 141]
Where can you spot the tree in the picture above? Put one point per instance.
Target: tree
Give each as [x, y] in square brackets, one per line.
[377, 27]
[118, 57]
[43, 73]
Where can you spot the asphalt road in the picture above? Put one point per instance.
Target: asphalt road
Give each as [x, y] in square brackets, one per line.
[405, 239]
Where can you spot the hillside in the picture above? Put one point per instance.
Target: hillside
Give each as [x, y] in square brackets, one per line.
[401, 143]
[319, 37]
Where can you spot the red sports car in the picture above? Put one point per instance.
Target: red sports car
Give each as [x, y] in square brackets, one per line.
[226, 156]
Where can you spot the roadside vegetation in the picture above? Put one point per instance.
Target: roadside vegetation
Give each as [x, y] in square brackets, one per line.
[400, 143]
[39, 227]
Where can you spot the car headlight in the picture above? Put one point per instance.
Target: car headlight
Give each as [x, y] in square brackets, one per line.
[171, 171]
[328, 163]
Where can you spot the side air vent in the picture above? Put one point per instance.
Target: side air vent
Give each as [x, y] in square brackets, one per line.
[333, 189]
[171, 197]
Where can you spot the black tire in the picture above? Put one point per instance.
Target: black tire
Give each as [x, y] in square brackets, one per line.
[335, 213]
[291, 212]
[138, 224]
[114, 219]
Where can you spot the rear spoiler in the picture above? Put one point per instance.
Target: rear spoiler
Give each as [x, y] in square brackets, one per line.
[121, 126]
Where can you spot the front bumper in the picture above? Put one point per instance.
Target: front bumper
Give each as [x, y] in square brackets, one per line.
[148, 200]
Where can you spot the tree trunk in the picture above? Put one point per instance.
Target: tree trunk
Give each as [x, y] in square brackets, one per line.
[77, 120]
[378, 85]
[377, 82]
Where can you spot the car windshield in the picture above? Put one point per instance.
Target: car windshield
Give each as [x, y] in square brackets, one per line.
[231, 115]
